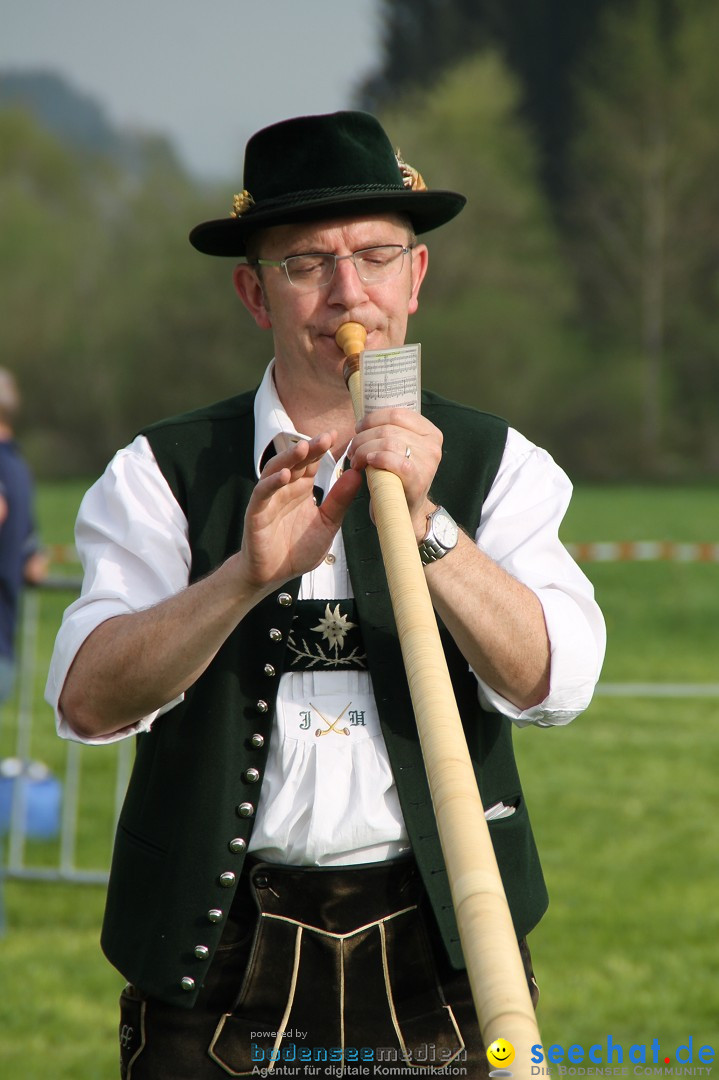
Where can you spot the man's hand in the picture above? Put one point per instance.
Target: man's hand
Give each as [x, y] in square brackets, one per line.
[406, 443]
[286, 534]
[497, 622]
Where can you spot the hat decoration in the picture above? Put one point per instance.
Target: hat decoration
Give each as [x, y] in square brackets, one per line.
[410, 177]
[241, 203]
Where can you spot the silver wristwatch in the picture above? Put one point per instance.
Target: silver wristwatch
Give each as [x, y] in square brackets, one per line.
[442, 535]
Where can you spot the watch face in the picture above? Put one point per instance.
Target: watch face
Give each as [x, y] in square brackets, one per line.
[445, 530]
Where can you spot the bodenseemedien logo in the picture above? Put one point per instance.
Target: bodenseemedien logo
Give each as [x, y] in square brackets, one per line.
[639, 1059]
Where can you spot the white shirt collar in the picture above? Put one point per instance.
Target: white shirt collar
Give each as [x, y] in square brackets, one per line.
[272, 424]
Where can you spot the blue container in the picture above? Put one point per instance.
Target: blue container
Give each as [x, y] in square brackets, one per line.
[39, 794]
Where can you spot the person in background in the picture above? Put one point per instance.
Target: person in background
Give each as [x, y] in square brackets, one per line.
[278, 893]
[22, 561]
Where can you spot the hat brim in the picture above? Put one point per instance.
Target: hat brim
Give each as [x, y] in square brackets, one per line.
[426, 210]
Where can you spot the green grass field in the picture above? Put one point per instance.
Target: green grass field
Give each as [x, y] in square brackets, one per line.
[623, 803]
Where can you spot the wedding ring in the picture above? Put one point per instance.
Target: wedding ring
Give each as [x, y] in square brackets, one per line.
[408, 453]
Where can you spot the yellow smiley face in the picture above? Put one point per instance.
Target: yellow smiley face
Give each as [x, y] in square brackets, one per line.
[500, 1053]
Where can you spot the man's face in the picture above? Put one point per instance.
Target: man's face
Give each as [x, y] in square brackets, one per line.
[304, 324]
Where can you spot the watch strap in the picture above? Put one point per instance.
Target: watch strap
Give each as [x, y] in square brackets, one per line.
[430, 548]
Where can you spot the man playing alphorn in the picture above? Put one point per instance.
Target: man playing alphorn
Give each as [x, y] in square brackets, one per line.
[278, 894]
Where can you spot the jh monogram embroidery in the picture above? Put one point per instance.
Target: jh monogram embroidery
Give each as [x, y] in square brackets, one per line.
[356, 719]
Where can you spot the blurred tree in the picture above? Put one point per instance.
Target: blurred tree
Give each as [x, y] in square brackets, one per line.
[44, 238]
[495, 318]
[643, 222]
[543, 41]
[110, 318]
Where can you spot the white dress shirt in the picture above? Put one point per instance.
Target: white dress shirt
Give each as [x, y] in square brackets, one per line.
[328, 795]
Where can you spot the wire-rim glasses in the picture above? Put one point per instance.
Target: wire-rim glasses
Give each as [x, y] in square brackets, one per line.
[315, 269]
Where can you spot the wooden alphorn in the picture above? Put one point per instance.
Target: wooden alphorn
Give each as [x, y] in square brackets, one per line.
[494, 966]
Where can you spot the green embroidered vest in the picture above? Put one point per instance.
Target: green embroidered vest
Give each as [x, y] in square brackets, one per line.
[188, 814]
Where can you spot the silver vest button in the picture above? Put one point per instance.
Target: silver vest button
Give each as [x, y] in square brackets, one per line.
[269, 670]
[187, 983]
[261, 706]
[257, 740]
[252, 776]
[214, 914]
[237, 845]
[275, 635]
[228, 879]
[201, 952]
[284, 599]
[245, 809]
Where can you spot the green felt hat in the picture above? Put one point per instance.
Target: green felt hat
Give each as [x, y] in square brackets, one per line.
[316, 167]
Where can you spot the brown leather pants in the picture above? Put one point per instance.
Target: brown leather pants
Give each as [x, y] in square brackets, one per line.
[321, 972]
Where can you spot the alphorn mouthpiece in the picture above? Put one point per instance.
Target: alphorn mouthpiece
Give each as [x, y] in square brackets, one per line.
[351, 338]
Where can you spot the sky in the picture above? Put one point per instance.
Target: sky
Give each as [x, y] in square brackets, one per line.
[206, 73]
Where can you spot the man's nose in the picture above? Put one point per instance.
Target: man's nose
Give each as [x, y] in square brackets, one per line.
[346, 286]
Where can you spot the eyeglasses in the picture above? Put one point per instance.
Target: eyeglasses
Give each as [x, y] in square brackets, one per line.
[315, 269]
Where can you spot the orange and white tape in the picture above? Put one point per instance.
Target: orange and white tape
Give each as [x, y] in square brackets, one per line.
[644, 551]
[595, 551]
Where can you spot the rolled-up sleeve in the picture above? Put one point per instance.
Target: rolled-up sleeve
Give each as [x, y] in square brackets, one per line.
[520, 531]
[132, 538]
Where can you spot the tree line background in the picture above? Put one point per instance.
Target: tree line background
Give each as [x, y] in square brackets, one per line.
[576, 294]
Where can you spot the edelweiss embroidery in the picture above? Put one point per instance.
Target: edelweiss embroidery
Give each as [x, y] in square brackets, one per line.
[334, 627]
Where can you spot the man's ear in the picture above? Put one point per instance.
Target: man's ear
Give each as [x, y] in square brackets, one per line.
[420, 260]
[248, 287]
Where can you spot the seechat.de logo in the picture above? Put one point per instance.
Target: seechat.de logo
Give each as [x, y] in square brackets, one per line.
[613, 1053]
